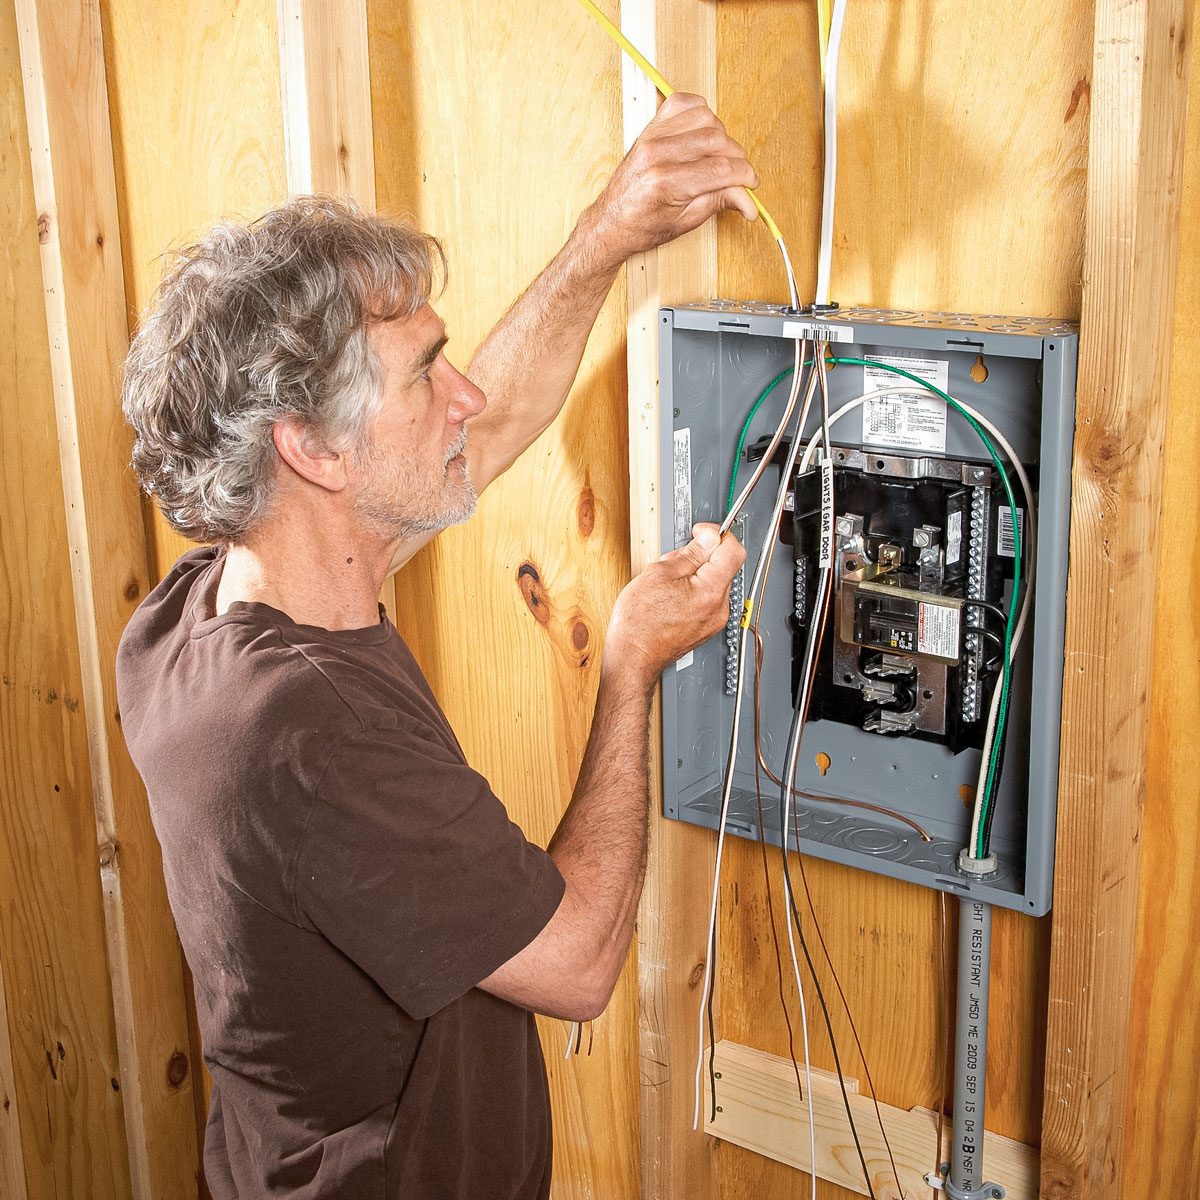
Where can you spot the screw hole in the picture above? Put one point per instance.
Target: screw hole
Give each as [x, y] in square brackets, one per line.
[879, 464]
[823, 761]
[927, 694]
[979, 371]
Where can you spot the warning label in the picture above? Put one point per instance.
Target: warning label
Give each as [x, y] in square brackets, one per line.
[908, 422]
[938, 630]
[682, 486]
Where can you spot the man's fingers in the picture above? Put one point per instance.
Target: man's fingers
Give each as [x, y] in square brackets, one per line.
[676, 103]
[687, 559]
[737, 200]
[723, 563]
[692, 144]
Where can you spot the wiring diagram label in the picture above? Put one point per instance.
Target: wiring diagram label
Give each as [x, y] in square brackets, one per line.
[816, 332]
[907, 422]
[682, 486]
[937, 630]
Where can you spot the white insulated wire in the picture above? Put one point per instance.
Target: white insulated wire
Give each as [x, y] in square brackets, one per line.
[829, 185]
[727, 794]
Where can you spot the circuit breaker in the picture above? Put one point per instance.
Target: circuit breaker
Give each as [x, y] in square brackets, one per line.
[924, 558]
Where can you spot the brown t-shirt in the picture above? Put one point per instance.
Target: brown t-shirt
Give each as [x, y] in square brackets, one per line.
[341, 880]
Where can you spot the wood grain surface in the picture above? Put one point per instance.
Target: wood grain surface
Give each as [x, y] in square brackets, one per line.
[62, 1121]
[1162, 1152]
[197, 137]
[66, 102]
[1139, 90]
[493, 129]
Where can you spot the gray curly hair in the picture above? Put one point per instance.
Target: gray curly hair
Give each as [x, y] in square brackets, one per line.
[253, 324]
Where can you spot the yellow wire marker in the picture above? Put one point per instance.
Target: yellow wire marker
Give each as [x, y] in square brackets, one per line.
[747, 610]
[666, 89]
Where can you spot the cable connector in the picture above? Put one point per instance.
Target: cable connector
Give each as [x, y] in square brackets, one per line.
[970, 865]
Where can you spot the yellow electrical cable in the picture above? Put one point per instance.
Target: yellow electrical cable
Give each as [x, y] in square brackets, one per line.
[666, 89]
[824, 24]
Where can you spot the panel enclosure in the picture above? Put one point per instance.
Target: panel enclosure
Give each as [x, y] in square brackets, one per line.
[1019, 373]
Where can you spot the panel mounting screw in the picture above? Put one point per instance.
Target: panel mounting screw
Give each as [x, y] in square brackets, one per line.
[676, 412]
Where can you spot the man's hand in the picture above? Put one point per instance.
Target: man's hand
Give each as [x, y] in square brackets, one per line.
[682, 170]
[674, 604]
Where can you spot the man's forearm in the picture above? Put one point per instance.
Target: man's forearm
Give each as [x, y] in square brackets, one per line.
[528, 362]
[600, 843]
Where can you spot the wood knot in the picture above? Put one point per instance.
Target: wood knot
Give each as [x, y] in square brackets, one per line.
[585, 511]
[132, 590]
[579, 635]
[696, 976]
[1105, 454]
[177, 1069]
[1081, 91]
[43, 228]
[108, 853]
[536, 597]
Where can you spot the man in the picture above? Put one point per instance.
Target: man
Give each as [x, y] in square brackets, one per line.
[368, 933]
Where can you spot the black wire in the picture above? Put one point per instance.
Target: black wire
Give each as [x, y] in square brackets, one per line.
[991, 810]
[991, 636]
[578, 1036]
[988, 607]
[837, 1061]
[712, 1029]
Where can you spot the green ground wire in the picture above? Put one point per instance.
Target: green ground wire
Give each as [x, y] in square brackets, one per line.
[1002, 713]
[737, 454]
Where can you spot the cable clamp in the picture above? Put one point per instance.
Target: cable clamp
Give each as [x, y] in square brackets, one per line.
[970, 865]
[939, 1180]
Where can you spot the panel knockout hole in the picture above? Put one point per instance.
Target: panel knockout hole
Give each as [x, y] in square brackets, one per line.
[979, 371]
[823, 761]
[966, 793]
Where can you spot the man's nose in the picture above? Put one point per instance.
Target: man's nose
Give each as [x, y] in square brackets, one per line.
[467, 401]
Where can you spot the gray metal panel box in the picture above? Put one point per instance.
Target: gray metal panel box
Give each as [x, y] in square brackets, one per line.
[715, 360]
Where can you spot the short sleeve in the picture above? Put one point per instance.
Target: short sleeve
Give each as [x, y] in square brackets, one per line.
[411, 867]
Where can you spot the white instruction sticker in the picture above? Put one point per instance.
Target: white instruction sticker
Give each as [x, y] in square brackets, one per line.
[908, 422]
[820, 333]
[1005, 545]
[826, 512]
[953, 537]
[682, 486]
[937, 630]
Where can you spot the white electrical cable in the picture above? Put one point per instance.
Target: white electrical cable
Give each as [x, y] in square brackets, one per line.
[571, 1028]
[829, 185]
[751, 599]
[1030, 543]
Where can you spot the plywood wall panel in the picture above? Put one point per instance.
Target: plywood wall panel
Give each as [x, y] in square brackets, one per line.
[197, 136]
[64, 1098]
[963, 151]
[963, 138]
[494, 128]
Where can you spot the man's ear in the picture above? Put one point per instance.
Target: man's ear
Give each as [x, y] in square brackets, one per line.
[305, 453]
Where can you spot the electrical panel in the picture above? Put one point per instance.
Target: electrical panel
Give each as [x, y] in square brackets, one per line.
[923, 555]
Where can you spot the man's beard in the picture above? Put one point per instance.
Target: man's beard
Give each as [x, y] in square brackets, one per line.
[398, 504]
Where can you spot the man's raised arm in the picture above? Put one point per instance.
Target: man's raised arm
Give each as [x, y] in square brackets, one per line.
[682, 170]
